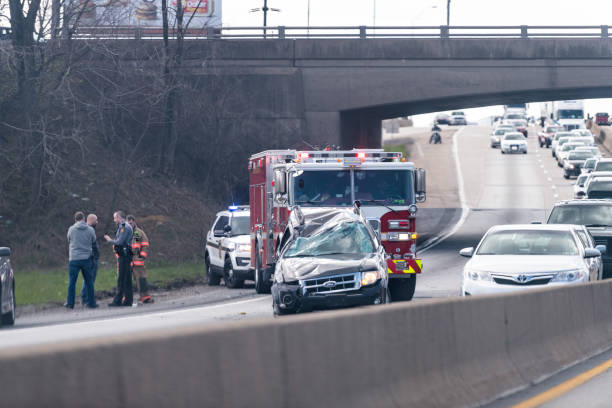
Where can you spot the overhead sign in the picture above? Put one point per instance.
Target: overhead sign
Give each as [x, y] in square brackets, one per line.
[199, 14]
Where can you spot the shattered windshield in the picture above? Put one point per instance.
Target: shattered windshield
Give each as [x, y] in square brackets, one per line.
[342, 238]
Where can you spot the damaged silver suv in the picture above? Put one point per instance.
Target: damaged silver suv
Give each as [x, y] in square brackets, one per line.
[328, 258]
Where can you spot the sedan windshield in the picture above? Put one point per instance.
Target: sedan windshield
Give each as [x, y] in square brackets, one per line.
[582, 132]
[528, 242]
[514, 116]
[588, 215]
[501, 132]
[343, 238]
[603, 166]
[580, 155]
[241, 225]
[553, 129]
[559, 135]
[514, 137]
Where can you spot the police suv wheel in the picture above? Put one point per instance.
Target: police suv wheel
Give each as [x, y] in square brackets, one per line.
[229, 277]
[213, 278]
[8, 318]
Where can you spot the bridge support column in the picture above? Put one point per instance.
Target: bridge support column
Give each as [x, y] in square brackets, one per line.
[360, 129]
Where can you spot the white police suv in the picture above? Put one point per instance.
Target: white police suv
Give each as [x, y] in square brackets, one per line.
[227, 251]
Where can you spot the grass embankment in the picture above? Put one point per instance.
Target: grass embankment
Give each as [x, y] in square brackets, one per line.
[397, 148]
[36, 287]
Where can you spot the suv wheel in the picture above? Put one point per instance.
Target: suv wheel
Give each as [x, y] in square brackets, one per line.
[229, 277]
[213, 278]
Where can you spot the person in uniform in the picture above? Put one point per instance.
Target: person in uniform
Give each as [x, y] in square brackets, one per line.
[122, 244]
[140, 250]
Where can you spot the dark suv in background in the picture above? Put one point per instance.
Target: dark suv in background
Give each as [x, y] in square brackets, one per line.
[596, 215]
[7, 288]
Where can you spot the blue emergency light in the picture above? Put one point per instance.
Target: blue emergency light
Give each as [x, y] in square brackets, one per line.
[233, 208]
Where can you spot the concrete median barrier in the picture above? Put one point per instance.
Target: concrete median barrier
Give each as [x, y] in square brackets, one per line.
[438, 353]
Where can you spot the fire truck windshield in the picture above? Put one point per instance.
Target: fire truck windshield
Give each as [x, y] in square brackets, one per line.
[325, 188]
[383, 186]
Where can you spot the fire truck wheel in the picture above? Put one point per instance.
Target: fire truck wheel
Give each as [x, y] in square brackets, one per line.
[213, 278]
[228, 276]
[402, 289]
[261, 284]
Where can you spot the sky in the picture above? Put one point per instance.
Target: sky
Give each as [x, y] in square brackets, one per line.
[427, 12]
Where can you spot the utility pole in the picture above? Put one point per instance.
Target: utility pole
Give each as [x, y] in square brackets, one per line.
[448, 12]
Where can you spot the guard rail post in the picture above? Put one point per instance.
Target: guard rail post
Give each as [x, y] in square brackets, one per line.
[604, 31]
[444, 31]
[281, 32]
[362, 32]
[524, 33]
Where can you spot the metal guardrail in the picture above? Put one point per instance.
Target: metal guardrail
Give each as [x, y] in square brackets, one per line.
[356, 32]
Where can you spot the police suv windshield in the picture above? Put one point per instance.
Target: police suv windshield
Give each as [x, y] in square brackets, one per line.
[241, 225]
[332, 188]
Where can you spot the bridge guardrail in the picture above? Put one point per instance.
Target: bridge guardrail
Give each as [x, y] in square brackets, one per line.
[356, 32]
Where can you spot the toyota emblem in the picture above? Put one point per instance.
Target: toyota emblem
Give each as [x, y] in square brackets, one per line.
[522, 278]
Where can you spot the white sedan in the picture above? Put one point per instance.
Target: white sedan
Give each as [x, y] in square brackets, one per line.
[513, 142]
[517, 257]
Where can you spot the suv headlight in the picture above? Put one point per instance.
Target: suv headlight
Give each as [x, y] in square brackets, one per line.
[370, 277]
[474, 275]
[243, 248]
[569, 276]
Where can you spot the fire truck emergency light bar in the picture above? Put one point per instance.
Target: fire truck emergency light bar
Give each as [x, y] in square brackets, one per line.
[355, 156]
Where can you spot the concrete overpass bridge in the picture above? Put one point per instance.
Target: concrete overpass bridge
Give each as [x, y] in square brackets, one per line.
[337, 90]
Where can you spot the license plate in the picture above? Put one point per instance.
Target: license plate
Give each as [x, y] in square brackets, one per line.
[400, 265]
[514, 148]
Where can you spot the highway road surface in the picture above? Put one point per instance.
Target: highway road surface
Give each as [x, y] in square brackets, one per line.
[493, 189]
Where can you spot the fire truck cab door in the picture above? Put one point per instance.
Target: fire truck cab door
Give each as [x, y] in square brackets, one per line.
[216, 240]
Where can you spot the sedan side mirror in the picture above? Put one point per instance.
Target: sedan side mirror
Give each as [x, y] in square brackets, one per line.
[4, 251]
[591, 253]
[601, 248]
[467, 252]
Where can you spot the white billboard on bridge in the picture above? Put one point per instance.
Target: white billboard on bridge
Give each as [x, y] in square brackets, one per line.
[147, 14]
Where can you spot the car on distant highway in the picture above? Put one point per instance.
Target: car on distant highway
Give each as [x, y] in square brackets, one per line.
[602, 118]
[573, 163]
[7, 288]
[513, 142]
[498, 134]
[580, 186]
[546, 135]
[458, 118]
[596, 216]
[328, 258]
[557, 138]
[599, 187]
[589, 165]
[520, 125]
[442, 119]
[227, 251]
[603, 164]
[517, 257]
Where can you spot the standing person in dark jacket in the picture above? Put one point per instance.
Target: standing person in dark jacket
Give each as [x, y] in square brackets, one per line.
[92, 221]
[81, 238]
[122, 245]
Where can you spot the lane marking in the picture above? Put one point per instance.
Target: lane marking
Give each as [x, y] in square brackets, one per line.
[564, 387]
[418, 145]
[549, 178]
[464, 207]
[553, 187]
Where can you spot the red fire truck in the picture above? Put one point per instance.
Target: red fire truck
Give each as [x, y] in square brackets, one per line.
[386, 185]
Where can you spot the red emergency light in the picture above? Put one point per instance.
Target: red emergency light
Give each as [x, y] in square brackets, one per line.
[304, 155]
[361, 155]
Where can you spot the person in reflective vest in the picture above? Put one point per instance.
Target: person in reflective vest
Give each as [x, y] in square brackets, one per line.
[140, 251]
